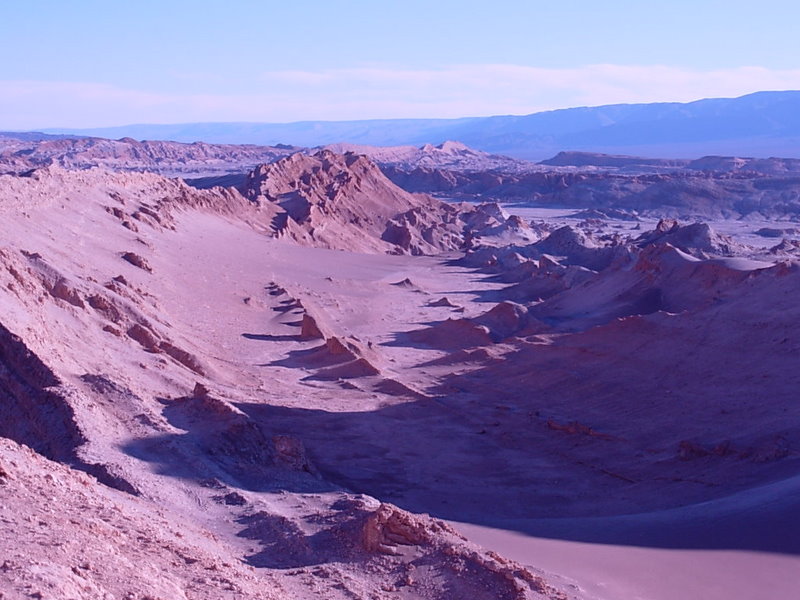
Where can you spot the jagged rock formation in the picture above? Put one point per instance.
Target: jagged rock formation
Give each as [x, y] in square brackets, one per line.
[345, 202]
[126, 154]
[696, 239]
[712, 187]
[450, 156]
[126, 361]
[218, 405]
[709, 187]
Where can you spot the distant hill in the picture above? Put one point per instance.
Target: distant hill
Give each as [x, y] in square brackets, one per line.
[758, 125]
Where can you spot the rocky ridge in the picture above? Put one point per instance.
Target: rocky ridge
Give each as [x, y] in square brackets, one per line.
[153, 474]
[18, 154]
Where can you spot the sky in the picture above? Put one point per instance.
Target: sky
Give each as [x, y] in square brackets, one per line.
[92, 63]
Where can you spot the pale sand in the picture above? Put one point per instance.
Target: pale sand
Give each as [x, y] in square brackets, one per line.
[609, 572]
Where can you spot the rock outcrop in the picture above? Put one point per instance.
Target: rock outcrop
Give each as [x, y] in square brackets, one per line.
[345, 202]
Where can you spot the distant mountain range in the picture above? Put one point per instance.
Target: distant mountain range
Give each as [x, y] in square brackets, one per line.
[758, 125]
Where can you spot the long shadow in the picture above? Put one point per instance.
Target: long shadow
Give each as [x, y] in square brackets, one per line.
[455, 461]
[467, 455]
[422, 339]
[221, 446]
[285, 545]
[287, 306]
[225, 451]
[268, 337]
[480, 296]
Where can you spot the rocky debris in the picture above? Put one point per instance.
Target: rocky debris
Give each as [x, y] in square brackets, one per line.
[151, 342]
[389, 531]
[64, 291]
[187, 359]
[359, 367]
[392, 387]
[88, 541]
[284, 543]
[480, 355]
[657, 278]
[200, 390]
[137, 261]
[688, 450]
[145, 336]
[347, 348]
[773, 448]
[696, 239]
[105, 307]
[233, 499]
[504, 320]
[338, 358]
[388, 527]
[564, 247]
[488, 224]
[396, 547]
[223, 433]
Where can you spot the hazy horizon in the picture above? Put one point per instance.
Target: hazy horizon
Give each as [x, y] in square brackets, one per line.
[107, 65]
[462, 117]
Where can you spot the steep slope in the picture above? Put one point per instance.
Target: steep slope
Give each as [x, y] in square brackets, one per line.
[137, 331]
[345, 202]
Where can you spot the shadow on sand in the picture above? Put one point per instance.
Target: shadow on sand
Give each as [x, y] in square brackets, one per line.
[432, 457]
[456, 458]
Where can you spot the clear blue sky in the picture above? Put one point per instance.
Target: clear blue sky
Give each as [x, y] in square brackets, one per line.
[90, 62]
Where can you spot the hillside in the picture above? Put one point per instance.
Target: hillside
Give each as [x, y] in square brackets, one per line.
[761, 125]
